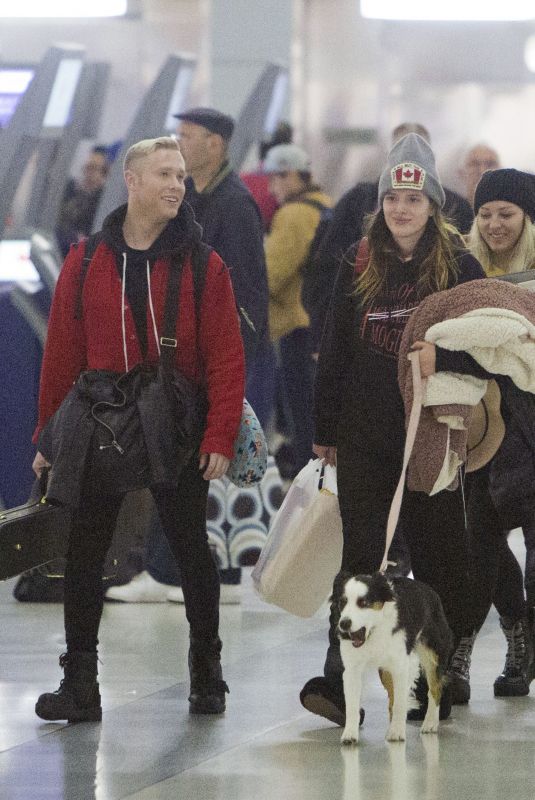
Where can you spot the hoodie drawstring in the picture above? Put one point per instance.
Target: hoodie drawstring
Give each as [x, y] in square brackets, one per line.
[154, 328]
[123, 307]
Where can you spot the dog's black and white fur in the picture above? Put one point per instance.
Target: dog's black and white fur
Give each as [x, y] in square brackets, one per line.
[395, 625]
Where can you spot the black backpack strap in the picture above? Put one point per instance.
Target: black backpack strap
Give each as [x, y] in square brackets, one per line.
[309, 201]
[199, 260]
[91, 245]
[168, 342]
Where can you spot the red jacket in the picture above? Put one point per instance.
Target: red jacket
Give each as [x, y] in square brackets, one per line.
[96, 341]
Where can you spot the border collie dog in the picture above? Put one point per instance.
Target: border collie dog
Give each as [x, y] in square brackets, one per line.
[395, 625]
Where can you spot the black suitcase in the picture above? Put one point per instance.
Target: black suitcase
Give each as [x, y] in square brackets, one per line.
[32, 535]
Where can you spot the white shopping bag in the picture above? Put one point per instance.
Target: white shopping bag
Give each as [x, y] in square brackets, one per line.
[303, 551]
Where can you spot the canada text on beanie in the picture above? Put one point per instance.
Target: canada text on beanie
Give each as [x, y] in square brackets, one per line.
[411, 165]
[510, 185]
[211, 119]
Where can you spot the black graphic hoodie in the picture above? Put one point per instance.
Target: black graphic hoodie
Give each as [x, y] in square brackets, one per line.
[357, 401]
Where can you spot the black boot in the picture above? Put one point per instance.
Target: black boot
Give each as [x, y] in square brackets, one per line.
[529, 576]
[459, 670]
[518, 670]
[207, 687]
[78, 696]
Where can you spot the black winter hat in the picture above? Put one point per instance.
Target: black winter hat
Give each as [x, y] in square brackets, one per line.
[211, 119]
[510, 185]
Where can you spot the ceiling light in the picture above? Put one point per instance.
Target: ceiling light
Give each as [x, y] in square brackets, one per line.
[453, 10]
[529, 53]
[27, 9]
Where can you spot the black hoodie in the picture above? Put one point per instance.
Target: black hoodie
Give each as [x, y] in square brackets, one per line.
[357, 402]
[176, 240]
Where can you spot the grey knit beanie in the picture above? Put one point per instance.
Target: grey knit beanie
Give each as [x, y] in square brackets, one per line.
[411, 165]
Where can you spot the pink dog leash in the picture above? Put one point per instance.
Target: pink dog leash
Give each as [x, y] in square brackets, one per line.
[418, 386]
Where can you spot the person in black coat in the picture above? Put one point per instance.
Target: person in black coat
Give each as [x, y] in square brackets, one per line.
[347, 224]
[81, 198]
[359, 414]
[228, 215]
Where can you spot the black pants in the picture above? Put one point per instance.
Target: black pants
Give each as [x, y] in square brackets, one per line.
[297, 387]
[498, 576]
[435, 532]
[182, 512]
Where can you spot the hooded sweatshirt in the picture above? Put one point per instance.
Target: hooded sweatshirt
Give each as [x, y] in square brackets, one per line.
[357, 400]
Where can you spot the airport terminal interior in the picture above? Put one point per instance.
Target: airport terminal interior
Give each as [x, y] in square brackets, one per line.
[343, 74]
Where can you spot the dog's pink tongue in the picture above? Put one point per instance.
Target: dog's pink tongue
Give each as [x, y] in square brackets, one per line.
[358, 637]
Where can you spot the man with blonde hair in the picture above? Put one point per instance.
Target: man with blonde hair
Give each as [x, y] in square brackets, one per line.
[232, 225]
[144, 247]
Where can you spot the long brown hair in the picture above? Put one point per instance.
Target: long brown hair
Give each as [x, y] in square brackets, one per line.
[436, 252]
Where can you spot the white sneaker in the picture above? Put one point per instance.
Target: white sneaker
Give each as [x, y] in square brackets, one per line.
[141, 589]
[175, 595]
[230, 594]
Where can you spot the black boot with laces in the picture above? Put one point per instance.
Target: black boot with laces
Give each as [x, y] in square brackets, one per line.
[78, 696]
[459, 670]
[207, 687]
[518, 670]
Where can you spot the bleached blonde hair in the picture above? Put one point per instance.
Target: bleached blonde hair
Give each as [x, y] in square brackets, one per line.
[145, 147]
[522, 256]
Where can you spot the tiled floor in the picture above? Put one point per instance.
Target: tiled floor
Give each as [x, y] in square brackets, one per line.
[266, 746]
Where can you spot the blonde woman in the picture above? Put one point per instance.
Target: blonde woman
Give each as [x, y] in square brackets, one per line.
[502, 238]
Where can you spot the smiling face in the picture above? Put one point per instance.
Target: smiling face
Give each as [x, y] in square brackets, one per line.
[500, 224]
[156, 184]
[406, 212]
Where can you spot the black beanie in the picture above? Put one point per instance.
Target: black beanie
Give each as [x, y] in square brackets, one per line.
[507, 184]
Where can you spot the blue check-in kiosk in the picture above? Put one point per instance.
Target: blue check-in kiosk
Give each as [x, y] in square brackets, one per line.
[24, 305]
[25, 286]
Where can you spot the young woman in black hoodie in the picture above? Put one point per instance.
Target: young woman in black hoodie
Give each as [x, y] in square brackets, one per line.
[359, 414]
